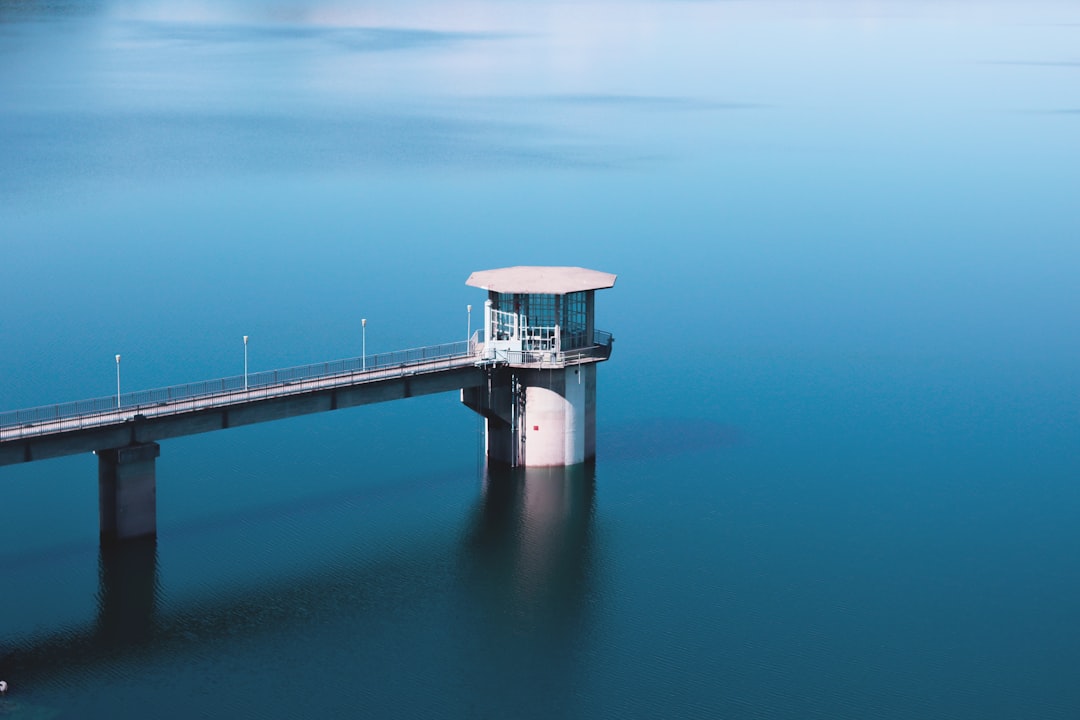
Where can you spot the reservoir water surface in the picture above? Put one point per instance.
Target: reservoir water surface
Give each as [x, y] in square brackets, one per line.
[839, 435]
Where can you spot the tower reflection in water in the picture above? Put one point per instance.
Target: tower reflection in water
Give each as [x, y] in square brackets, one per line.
[529, 571]
[532, 531]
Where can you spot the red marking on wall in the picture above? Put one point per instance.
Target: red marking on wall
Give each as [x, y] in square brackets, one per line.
[536, 427]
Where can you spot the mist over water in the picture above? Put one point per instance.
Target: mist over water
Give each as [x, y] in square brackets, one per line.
[839, 435]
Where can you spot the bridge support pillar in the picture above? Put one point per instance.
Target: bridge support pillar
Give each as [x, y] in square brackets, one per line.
[127, 491]
[538, 417]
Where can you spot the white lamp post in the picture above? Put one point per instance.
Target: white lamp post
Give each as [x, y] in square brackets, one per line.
[245, 364]
[118, 381]
[363, 343]
[468, 331]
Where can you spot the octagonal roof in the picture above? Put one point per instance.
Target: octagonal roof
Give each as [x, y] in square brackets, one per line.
[540, 280]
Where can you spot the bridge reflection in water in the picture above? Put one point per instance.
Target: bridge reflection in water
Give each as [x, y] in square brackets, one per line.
[127, 593]
[515, 584]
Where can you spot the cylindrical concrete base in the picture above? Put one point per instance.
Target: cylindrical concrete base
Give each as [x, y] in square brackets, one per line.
[542, 418]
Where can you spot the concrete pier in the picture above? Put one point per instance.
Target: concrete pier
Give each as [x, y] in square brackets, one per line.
[127, 491]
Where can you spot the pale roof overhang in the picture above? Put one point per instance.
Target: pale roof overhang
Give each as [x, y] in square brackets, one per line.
[540, 280]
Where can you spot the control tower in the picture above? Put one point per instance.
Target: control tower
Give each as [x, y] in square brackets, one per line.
[539, 347]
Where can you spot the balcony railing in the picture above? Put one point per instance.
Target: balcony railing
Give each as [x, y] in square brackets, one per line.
[600, 349]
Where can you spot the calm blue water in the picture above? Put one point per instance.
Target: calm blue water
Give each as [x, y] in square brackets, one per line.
[839, 452]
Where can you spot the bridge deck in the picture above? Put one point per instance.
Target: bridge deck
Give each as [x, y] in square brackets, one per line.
[150, 415]
[227, 398]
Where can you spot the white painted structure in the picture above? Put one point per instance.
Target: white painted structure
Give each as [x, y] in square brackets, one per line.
[541, 348]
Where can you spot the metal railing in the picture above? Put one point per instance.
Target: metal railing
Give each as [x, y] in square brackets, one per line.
[231, 389]
[46, 419]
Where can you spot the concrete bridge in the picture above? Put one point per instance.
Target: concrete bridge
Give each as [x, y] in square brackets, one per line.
[530, 371]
